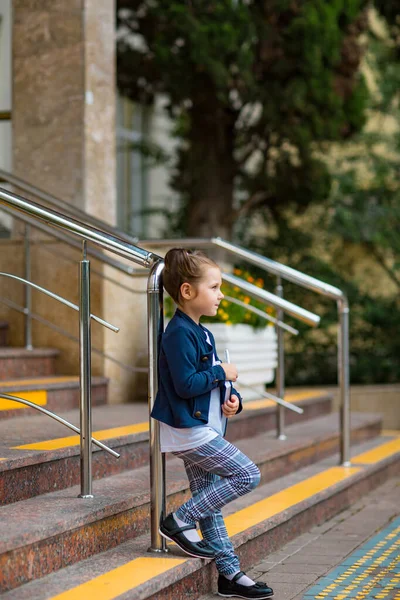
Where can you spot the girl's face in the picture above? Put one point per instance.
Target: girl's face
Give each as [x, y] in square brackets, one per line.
[203, 298]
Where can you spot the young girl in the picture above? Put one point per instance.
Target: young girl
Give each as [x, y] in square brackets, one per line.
[194, 401]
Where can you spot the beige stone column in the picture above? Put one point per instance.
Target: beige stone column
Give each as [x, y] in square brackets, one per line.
[63, 129]
[64, 100]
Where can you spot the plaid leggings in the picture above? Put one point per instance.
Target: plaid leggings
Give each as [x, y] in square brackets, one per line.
[218, 472]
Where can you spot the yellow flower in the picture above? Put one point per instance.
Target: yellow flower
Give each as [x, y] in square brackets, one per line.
[250, 279]
[236, 271]
[236, 289]
[246, 300]
[224, 303]
[259, 282]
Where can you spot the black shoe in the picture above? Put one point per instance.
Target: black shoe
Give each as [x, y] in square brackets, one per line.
[230, 589]
[170, 529]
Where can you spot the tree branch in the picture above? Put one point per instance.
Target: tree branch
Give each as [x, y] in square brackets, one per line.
[381, 261]
[251, 202]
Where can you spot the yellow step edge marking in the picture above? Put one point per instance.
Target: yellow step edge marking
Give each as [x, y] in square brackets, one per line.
[36, 396]
[264, 509]
[39, 380]
[122, 579]
[390, 432]
[138, 571]
[376, 454]
[290, 397]
[58, 443]
[74, 440]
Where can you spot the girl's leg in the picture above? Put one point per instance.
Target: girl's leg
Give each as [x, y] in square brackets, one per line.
[213, 527]
[218, 473]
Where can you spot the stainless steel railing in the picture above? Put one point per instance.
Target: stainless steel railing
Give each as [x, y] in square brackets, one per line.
[59, 419]
[108, 242]
[69, 210]
[284, 272]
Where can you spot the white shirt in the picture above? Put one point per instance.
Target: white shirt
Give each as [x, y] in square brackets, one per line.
[174, 439]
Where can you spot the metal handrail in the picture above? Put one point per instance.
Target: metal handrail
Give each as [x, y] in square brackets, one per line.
[281, 271]
[108, 242]
[261, 314]
[67, 208]
[57, 418]
[68, 239]
[60, 299]
[292, 309]
[105, 240]
[68, 335]
[155, 325]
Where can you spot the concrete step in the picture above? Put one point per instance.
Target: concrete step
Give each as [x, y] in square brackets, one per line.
[341, 557]
[55, 392]
[39, 455]
[45, 533]
[258, 524]
[20, 362]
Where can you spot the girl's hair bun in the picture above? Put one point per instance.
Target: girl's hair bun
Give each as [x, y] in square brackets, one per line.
[183, 266]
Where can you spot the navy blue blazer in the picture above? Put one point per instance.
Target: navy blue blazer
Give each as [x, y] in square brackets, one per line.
[186, 374]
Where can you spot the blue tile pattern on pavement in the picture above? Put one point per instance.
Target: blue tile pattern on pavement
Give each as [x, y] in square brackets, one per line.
[372, 572]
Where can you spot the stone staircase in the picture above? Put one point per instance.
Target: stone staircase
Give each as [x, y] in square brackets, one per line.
[31, 375]
[56, 545]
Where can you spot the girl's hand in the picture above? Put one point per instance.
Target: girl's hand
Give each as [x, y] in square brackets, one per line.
[231, 372]
[230, 407]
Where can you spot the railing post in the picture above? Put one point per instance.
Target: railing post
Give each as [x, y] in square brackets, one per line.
[280, 371]
[344, 381]
[85, 377]
[155, 315]
[28, 290]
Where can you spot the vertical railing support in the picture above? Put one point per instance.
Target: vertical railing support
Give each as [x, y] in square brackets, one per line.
[280, 371]
[157, 459]
[344, 380]
[28, 289]
[85, 377]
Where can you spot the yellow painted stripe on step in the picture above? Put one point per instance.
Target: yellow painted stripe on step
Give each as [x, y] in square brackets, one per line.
[293, 397]
[73, 440]
[39, 380]
[376, 454]
[36, 396]
[390, 432]
[121, 580]
[264, 509]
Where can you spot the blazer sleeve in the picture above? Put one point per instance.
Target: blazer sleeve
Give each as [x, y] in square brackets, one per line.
[180, 352]
[233, 391]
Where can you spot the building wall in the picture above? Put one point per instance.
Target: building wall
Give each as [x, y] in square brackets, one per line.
[5, 87]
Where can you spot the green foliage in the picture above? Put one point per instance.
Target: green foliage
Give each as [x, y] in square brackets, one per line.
[365, 203]
[258, 91]
[254, 86]
[363, 213]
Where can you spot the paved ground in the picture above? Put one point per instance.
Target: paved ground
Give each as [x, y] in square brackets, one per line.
[295, 570]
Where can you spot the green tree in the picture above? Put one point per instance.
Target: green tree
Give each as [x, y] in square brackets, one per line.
[361, 219]
[253, 87]
[365, 203]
